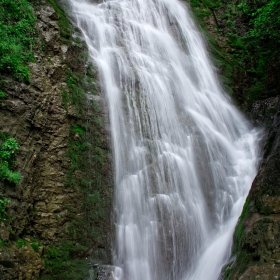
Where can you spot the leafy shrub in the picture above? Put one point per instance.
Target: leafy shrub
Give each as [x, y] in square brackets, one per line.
[17, 22]
[265, 26]
[8, 147]
[262, 43]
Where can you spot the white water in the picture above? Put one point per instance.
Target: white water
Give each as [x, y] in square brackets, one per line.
[184, 157]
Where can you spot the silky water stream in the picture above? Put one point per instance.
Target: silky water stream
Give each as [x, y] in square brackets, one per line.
[184, 157]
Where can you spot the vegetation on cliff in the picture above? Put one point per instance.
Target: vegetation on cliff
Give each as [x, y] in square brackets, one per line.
[8, 147]
[65, 28]
[259, 49]
[250, 58]
[17, 33]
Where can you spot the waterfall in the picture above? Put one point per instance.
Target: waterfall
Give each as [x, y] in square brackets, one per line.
[184, 157]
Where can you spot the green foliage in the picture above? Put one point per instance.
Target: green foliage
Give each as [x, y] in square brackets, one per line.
[255, 54]
[243, 7]
[2, 95]
[35, 246]
[61, 262]
[17, 34]
[259, 48]
[76, 94]
[78, 129]
[65, 28]
[239, 229]
[200, 11]
[21, 243]
[3, 203]
[266, 23]
[78, 85]
[8, 147]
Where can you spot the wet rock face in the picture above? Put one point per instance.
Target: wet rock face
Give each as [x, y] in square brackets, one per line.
[35, 116]
[42, 206]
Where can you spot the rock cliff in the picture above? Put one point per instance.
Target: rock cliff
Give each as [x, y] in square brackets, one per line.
[59, 214]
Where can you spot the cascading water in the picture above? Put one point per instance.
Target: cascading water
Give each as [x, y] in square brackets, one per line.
[184, 157]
